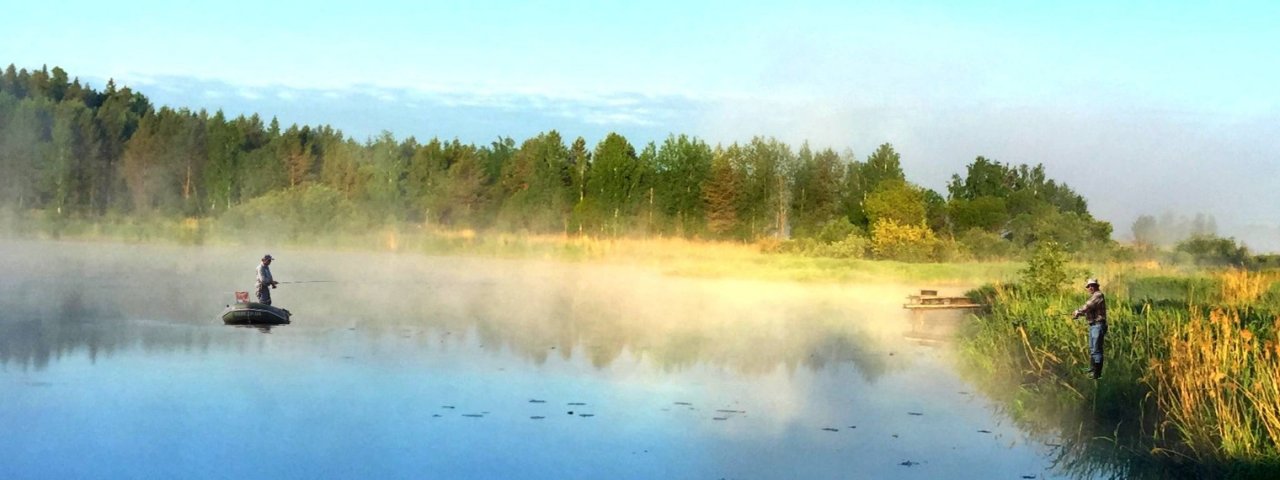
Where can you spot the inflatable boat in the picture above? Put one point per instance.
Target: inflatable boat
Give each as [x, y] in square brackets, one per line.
[253, 313]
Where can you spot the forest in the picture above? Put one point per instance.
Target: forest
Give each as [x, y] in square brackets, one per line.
[70, 153]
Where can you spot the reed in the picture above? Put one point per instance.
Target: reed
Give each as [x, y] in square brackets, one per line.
[1241, 287]
[1192, 373]
[1219, 386]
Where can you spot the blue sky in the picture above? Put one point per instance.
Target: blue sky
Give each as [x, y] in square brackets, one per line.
[1141, 106]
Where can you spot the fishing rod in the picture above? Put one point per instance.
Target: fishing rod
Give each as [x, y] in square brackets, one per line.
[308, 281]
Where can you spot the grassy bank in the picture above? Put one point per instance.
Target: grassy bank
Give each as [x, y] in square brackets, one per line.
[675, 256]
[1191, 379]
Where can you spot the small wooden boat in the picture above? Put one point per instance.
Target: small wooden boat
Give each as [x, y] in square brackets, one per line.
[929, 300]
[253, 313]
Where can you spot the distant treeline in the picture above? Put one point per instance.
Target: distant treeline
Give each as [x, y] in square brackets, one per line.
[68, 150]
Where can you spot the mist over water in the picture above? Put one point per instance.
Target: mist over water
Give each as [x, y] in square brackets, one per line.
[114, 363]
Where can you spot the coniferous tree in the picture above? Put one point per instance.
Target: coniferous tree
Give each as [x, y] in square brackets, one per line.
[816, 186]
[75, 149]
[117, 120]
[614, 183]
[722, 190]
[24, 151]
[425, 180]
[10, 84]
[682, 167]
[58, 84]
[464, 192]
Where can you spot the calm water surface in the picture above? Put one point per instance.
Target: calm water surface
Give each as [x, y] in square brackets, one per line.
[114, 364]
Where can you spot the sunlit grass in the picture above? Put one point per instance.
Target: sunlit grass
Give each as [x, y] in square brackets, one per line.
[1242, 287]
[1192, 364]
[1219, 386]
[674, 256]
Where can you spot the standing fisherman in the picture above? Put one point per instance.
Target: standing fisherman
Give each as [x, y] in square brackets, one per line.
[1094, 311]
[265, 280]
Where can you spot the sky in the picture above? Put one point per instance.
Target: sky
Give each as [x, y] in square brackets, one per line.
[1142, 107]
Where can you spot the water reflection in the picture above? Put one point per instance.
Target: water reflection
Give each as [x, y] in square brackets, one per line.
[1085, 449]
[431, 365]
[70, 297]
[261, 328]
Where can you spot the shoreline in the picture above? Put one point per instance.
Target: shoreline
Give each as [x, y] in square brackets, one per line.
[671, 256]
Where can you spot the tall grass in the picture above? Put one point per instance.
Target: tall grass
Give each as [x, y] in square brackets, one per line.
[1241, 287]
[1220, 387]
[1192, 367]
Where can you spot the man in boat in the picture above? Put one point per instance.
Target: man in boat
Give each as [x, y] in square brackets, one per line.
[1094, 311]
[265, 282]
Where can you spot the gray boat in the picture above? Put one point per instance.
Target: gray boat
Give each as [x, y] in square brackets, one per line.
[253, 313]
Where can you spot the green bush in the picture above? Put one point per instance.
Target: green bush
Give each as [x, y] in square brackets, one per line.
[1215, 251]
[984, 245]
[291, 214]
[852, 246]
[1046, 271]
[891, 240]
[836, 230]
[1183, 290]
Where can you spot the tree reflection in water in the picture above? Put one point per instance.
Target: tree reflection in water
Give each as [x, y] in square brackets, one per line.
[68, 297]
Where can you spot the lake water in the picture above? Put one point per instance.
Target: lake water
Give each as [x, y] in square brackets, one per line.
[114, 364]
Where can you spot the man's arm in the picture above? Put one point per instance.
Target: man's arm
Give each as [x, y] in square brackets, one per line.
[1088, 304]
